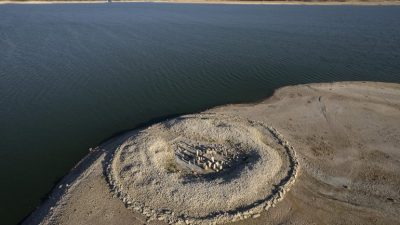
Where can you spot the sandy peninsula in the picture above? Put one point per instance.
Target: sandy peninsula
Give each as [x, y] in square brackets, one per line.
[320, 153]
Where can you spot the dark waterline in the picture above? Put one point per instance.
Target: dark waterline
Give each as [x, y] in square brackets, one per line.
[73, 74]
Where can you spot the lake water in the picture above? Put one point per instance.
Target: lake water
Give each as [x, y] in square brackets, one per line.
[72, 75]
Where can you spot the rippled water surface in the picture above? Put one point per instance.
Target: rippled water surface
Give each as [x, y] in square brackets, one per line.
[73, 75]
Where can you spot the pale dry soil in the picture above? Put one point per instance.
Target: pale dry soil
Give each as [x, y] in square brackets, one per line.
[347, 141]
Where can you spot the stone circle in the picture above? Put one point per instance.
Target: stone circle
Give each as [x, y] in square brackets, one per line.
[203, 169]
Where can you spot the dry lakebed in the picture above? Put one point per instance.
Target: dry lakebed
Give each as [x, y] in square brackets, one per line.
[310, 154]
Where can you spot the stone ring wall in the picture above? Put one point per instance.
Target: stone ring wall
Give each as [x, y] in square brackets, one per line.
[202, 169]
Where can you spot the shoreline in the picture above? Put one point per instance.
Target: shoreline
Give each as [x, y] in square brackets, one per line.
[90, 168]
[322, 3]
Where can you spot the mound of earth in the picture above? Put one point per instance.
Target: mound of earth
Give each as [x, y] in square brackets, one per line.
[203, 168]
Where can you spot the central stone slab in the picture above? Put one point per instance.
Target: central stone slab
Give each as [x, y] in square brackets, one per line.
[203, 159]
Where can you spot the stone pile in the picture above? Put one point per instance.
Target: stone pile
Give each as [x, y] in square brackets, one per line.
[204, 158]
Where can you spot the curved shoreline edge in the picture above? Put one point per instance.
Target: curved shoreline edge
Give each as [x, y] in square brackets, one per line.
[63, 193]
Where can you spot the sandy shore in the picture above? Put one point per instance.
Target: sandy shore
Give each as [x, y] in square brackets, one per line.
[351, 2]
[347, 140]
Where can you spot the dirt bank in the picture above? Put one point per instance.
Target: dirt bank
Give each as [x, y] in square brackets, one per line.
[346, 137]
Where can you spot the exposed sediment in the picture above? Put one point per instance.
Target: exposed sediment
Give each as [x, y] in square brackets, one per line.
[203, 168]
[346, 137]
